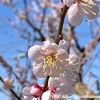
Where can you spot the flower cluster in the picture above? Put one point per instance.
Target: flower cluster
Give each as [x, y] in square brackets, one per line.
[53, 92]
[79, 8]
[53, 60]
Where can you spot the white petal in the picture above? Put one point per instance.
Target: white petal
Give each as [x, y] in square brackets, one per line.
[65, 90]
[35, 52]
[26, 91]
[75, 15]
[50, 47]
[69, 73]
[29, 98]
[41, 72]
[57, 70]
[52, 83]
[46, 95]
[63, 44]
[67, 79]
[74, 61]
[90, 12]
[62, 55]
[38, 71]
[68, 2]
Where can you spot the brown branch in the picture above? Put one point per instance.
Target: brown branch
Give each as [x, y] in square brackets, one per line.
[46, 83]
[62, 17]
[25, 17]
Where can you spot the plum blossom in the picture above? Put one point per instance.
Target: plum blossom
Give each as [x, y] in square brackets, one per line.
[80, 8]
[55, 91]
[50, 59]
[8, 83]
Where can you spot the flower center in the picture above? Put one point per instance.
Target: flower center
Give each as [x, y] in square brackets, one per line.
[50, 61]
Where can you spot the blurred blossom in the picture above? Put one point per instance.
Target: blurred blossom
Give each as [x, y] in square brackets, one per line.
[91, 45]
[2, 1]
[16, 21]
[8, 83]
[54, 14]
[21, 11]
[82, 90]
[35, 7]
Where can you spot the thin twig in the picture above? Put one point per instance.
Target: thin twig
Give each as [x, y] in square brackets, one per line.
[62, 17]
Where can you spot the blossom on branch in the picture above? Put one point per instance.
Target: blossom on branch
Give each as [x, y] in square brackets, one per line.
[80, 8]
[54, 91]
[50, 58]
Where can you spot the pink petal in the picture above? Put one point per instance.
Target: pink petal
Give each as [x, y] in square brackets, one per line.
[36, 91]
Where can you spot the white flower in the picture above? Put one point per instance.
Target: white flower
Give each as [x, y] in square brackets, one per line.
[52, 92]
[81, 8]
[50, 58]
[56, 92]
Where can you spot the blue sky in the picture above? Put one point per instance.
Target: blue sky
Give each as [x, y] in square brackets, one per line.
[9, 41]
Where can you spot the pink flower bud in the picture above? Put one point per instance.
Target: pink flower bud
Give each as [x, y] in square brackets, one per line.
[36, 90]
